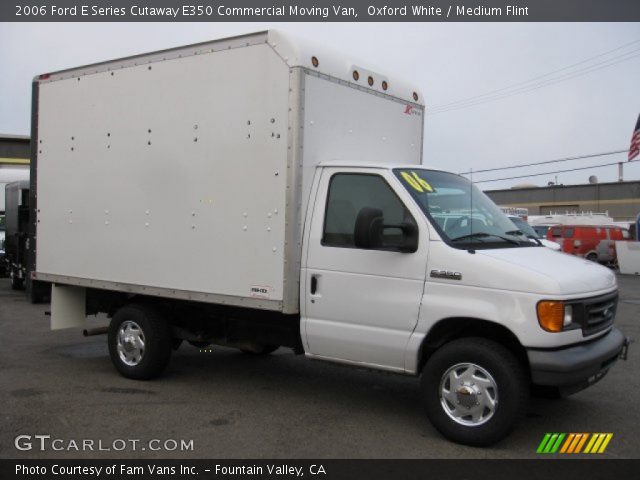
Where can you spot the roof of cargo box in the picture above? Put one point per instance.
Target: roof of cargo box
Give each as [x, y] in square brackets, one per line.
[294, 52]
[300, 53]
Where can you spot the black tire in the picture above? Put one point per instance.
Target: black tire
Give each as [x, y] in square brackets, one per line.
[260, 349]
[508, 375]
[158, 341]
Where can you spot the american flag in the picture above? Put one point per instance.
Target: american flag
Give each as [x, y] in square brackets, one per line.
[634, 148]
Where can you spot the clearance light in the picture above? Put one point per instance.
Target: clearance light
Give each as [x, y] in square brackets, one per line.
[315, 62]
[44, 76]
[370, 81]
[552, 315]
[415, 96]
[356, 75]
[385, 85]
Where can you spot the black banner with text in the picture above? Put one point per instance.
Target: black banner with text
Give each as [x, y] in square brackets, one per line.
[316, 469]
[320, 10]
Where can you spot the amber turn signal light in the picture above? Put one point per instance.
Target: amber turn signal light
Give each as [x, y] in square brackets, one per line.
[551, 315]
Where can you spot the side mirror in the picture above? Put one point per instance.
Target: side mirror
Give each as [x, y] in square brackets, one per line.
[368, 232]
[368, 229]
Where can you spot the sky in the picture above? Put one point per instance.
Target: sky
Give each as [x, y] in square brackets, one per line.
[582, 113]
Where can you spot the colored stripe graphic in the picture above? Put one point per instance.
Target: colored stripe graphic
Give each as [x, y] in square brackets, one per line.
[567, 443]
[598, 442]
[582, 441]
[573, 443]
[550, 443]
[544, 441]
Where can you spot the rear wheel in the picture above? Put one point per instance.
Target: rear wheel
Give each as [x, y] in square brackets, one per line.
[140, 342]
[475, 391]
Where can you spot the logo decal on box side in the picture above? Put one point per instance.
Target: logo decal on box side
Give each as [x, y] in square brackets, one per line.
[260, 291]
[410, 110]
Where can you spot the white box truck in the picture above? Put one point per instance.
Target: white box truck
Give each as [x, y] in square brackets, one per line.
[258, 193]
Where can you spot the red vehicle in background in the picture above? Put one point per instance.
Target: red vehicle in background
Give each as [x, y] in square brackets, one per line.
[593, 242]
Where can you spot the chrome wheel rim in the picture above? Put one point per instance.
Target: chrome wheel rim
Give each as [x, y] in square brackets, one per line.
[131, 343]
[468, 394]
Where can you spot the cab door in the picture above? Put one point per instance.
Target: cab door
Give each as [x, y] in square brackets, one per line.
[360, 304]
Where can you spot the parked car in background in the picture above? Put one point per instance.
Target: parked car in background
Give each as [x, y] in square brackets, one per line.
[593, 242]
[531, 233]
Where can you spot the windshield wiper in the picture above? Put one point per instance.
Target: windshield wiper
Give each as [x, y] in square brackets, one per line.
[520, 232]
[483, 235]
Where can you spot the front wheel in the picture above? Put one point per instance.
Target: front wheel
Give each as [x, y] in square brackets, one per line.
[475, 391]
[140, 342]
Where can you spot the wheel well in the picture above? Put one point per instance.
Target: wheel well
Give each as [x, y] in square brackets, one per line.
[450, 329]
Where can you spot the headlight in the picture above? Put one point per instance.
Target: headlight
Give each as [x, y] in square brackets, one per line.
[568, 315]
[554, 315]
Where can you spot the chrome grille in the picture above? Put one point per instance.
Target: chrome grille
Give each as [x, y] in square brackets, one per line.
[598, 313]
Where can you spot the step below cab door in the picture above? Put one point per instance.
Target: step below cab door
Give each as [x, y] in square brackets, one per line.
[363, 268]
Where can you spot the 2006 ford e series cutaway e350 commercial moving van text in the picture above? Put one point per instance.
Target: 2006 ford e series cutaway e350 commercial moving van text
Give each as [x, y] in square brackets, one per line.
[300, 216]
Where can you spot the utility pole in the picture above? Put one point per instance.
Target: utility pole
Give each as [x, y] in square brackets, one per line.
[620, 172]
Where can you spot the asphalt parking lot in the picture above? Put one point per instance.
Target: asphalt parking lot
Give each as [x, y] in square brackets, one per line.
[281, 406]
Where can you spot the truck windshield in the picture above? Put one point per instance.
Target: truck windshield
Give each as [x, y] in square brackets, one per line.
[2, 224]
[463, 215]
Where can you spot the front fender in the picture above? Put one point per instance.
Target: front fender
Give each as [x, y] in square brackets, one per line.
[516, 311]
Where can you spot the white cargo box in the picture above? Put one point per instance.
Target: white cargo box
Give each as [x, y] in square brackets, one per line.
[186, 173]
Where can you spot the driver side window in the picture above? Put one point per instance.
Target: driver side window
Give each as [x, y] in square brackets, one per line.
[351, 192]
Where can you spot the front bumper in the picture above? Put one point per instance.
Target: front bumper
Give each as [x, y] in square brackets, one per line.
[576, 367]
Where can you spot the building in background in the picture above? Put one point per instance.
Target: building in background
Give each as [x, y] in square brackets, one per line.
[620, 199]
[14, 151]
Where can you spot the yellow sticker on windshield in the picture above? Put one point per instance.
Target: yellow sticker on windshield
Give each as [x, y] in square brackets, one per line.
[417, 183]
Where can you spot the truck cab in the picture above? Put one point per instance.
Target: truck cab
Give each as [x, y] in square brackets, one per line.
[476, 308]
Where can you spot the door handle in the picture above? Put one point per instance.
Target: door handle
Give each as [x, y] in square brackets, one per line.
[314, 284]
